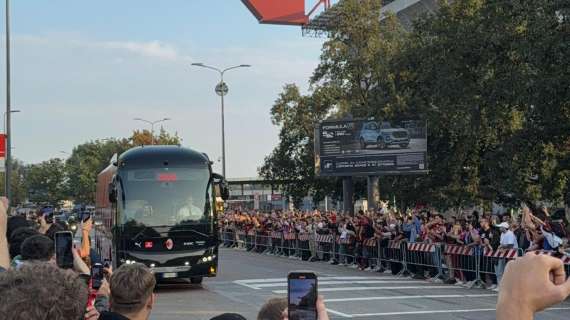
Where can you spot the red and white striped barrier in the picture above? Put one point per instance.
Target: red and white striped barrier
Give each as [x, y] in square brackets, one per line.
[304, 237]
[288, 236]
[327, 238]
[501, 253]
[369, 242]
[421, 247]
[347, 240]
[452, 249]
[394, 244]
[565, 259]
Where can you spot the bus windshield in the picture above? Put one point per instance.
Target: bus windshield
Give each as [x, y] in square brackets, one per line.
[164, 196]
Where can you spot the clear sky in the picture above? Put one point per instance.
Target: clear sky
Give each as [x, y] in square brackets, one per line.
[82, 70]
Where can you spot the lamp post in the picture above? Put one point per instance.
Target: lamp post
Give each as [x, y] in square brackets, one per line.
[5, 114]
[222, 89]
[152, 123]
[8, 128]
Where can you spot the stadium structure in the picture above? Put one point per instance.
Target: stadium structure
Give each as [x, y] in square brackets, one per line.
[323, 14]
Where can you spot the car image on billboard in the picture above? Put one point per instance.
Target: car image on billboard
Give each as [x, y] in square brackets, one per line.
[370, 147]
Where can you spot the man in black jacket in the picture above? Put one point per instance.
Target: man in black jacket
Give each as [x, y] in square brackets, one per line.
[490, 241]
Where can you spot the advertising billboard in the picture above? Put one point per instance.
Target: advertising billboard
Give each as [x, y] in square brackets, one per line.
[370, 147]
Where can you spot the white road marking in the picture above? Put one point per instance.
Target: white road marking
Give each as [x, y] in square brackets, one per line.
[257, 284]
[412, 297]
[259, 280]
[374, 288]
[362, 315]
[320, 278]
[248, 285]
[344, 315]
[323, 283]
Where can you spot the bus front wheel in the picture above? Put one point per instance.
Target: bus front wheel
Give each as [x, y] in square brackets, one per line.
[196, 280]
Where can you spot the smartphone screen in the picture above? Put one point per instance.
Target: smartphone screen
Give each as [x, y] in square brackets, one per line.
[97, 275]
[63, 247]
[302, 295]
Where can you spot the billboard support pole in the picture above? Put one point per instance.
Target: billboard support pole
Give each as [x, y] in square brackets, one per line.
[373, 188]
[347, 195]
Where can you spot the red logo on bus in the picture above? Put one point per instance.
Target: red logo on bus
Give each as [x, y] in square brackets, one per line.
[169, 244]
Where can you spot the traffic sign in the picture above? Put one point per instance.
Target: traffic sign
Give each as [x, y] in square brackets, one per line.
[2, 145]
[222, 89]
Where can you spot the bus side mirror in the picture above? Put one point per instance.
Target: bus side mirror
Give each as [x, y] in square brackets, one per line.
[112, 193]
[225, 191]
[222, 185]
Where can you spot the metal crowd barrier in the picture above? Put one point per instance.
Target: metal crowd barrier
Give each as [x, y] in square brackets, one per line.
[473, 264]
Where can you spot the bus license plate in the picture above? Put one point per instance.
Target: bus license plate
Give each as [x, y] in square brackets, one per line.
[169, 275]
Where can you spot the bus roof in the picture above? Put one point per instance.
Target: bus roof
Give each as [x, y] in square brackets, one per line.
[173, 156]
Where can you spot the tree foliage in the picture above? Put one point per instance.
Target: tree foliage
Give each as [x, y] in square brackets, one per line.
[292, 160]
[18, 182]
[46, 181]
[489, 76]
[90, 158]
[75, 179]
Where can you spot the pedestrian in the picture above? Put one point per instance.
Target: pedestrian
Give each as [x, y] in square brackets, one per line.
[508, 241]
[490, 240]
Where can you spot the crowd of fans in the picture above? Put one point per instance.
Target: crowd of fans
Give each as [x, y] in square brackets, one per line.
[531, 230]
[32, 286]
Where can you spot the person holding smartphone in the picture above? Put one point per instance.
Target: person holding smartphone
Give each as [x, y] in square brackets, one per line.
[304, 303]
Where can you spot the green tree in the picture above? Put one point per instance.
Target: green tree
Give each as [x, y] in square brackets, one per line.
[89, 159]
[85, 163]
[292, 161]
[46, 181]
[18, 183]
[489, 77]
[356, 59]
[144, 137]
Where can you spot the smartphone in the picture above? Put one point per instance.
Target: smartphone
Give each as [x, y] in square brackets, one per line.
[63, 247]
[302, 295]
[97, 276]
[85, 216]
[48, 216]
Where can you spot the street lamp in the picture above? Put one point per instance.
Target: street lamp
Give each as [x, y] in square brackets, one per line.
[11, 111]
[7, 121]
[152, 123]
[222, 89]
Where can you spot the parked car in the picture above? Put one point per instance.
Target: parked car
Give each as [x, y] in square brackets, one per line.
[383, 135]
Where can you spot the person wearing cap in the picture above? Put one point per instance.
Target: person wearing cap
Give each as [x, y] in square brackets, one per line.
[508, 241]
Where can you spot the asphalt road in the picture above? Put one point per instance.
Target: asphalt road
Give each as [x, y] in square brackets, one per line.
[247, 280]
